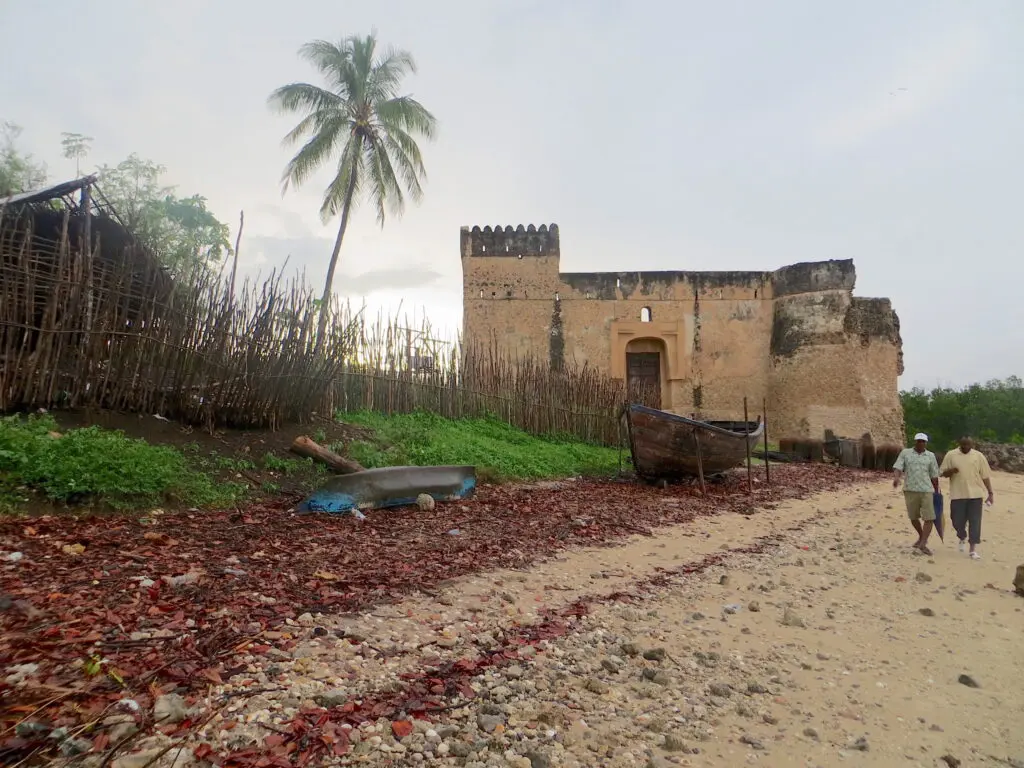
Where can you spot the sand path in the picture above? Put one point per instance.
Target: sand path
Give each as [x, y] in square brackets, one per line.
[837, 646]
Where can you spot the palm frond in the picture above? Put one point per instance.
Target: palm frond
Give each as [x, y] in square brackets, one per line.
[385, 191]
[304, 97]
[350, 165]
[313, 153]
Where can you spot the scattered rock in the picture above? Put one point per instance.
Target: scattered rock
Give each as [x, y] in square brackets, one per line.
[952, 762]
[333, 698]
[810, 733]
[754, 606]
[489, 723]
[630, 649]
[674, 743]
[597, 686]
[922, 578]
[751, 742]
[791, 619]
[755, 687]
[1018, 581]
[926, 612]
[969, 681]
[169, 708]
[425, 502]
[860, 745]
[721, 690]
[655, 654]
[538, 759]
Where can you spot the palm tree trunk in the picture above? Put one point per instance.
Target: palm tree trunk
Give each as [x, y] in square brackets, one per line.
[325, 300]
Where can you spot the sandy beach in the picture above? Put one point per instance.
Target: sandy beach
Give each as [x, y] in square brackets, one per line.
[836, 645]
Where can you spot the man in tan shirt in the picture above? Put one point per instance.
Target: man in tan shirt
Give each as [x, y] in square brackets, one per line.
[969, 479]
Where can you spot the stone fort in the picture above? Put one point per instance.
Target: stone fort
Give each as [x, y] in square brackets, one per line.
[795, 338]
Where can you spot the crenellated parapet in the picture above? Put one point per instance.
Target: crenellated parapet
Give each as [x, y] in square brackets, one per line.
[515, 242]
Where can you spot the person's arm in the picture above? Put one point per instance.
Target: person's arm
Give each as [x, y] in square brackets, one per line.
[986, 478]
[898, 470]
[947, 469]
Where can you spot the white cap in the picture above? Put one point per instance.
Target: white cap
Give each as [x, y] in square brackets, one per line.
[920, 436]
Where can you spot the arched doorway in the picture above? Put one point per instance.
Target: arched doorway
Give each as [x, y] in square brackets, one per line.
[647, 371]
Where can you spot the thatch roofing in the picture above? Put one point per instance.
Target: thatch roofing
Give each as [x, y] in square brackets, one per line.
[54, 192]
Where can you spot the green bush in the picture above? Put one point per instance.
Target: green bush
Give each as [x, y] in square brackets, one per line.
[498, 451]
[98, 466]
[993, 411]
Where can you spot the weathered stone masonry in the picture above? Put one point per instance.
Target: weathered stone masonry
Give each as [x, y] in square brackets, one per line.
[797, 337]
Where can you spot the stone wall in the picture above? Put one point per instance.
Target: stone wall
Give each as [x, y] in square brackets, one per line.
[1004, 457]
[796, 337]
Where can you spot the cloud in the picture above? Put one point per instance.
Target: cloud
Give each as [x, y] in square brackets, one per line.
[309, 255]
[928, 77]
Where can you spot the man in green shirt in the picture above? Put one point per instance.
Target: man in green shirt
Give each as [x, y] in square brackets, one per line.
[921, 469]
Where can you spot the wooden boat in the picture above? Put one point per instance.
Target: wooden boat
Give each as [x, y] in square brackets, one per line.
[390, 487]
[670, 447]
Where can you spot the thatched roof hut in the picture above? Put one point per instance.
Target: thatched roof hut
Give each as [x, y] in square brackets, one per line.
[66, 237]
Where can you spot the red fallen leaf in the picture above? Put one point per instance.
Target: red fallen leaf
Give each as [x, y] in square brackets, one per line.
[100, 742]
[212, 675]
[274, 740]
[401, 728]
[202, 751]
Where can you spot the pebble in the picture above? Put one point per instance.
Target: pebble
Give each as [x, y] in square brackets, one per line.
[791, 619]
[969, 681]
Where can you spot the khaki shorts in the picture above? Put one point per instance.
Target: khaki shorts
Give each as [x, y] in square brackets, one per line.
[920, 505]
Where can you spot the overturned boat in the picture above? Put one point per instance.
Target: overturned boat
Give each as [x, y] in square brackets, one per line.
[665, 446]
[390, 487]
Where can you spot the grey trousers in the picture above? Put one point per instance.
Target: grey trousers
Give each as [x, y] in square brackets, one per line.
[966, 515]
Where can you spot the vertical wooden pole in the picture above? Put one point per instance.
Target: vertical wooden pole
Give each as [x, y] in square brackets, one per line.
[764, 416]
[746, 444]
[700, 465]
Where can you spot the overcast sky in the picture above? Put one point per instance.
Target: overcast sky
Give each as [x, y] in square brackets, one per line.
[734, 134]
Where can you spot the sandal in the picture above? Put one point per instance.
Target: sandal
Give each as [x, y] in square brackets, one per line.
[924, 550]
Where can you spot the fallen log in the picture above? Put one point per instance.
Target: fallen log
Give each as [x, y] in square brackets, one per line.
[306, 448]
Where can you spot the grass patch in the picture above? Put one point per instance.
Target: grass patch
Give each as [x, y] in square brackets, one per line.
[97, 467]
[498, 451]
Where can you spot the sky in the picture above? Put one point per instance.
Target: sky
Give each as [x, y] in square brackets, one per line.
[658, 135]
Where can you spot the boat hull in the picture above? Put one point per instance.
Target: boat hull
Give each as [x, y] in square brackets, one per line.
[390, 487]
[670, 447]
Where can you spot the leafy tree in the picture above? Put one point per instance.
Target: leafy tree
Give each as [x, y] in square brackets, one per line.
[991, 411]
[18, 171]
[361, 123]
[76, 146]
[182, 231]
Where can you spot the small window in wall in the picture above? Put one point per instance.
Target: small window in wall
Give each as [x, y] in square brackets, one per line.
[645, 315]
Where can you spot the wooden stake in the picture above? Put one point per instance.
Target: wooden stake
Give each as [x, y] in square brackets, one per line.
[764, 416]
[746, 444]
[700, 465]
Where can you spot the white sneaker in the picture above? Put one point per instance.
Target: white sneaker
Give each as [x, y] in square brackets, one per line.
[961, 546]
[975, 556]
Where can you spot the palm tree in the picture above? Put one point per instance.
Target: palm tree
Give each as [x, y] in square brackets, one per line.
[361, 120]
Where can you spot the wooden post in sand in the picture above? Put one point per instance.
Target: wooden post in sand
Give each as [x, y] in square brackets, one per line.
[764, 417]
[746, 444]
[700, 465]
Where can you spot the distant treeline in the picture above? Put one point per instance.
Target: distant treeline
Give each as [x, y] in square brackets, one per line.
[993, 412]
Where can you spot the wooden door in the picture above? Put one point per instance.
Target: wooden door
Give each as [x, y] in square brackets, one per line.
[643, 374]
